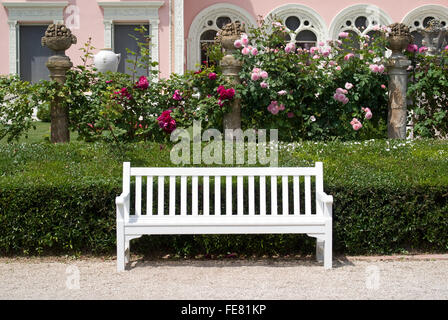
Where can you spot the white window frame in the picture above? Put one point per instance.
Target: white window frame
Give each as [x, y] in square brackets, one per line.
[370, 11]
[420, 13]
[33, 13]
[133, 12]
[317, 23]
[199, 25]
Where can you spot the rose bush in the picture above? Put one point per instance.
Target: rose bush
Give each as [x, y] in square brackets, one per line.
[313, 93]
[428, 91]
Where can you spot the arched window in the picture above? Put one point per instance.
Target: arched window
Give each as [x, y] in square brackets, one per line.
[420, 18]
[359, 19]
[303, 24]
[205, 26]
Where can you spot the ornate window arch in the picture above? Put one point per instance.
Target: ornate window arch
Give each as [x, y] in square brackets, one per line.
[208, 22]
[304, 24]
[359, 19]
[420, 17]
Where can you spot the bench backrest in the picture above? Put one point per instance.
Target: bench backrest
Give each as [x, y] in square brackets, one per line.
[252, 189]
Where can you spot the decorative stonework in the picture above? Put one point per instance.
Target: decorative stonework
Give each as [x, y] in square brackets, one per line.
[346, 19]
[48, 12]
[416, 18]
[179, 37]
[309, 20]
[138, 11]
[201, 24]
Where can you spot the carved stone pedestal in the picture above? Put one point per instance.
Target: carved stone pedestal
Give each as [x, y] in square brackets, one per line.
[59, 38]
[398, 84]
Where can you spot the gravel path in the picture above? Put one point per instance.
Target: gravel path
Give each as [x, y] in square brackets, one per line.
[423, 277]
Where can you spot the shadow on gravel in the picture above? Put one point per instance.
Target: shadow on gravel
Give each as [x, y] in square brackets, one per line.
[308, 261]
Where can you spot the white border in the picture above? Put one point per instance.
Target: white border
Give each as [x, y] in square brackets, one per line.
[197, 27]
[133, 11]
[370, 11]
[52, 12]
[318, 25]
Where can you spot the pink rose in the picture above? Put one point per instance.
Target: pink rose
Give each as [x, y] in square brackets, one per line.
[356, 124]
[264, 75]
[343, 35]
[177, 95]
[282, 92]
[264, 85]
[349, 56]
[212, 76]
[290, 115]
[368, 112]
[254, 51]
[273, 107]
[255, 77]
[238, 44]
[412, 48]
[383, 86]
[245, 51]
[422, 49]
[348, 86]
[245, 41]
[142, 83]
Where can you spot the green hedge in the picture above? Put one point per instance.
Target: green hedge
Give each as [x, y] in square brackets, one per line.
[389, 197]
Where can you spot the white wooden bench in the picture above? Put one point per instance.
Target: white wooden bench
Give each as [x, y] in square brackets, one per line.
[246, 210]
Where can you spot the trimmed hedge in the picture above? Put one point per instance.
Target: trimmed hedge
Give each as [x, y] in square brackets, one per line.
[389, 197]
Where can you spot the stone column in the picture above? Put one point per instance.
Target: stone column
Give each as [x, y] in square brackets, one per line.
[397, 66]
[398, 86]
[59, 38]
[231, 68]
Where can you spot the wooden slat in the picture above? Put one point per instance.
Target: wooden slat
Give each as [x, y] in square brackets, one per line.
[161, 193]
[149, 182]
[206, 186]
[307, 195]
[296, 195]
[285, 195]
[217, 196]
[183, 196]
[263, 195]
[251, 196]
[229, 196]
[194, 196]
[172, 196]
[138, 196]
[274, 195]
[240, 197]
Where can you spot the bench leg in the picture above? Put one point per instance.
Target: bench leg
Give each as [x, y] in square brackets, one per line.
[127, 250]
[328, 247]
[320, 250]
[121, 262]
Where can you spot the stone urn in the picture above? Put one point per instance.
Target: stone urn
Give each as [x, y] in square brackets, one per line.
[398, 39]
[433, 37]
[107, 60]
[58, 38]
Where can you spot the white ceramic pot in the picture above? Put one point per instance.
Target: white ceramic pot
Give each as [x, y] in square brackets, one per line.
[107, 60]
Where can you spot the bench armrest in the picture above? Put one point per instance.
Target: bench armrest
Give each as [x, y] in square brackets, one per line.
[326, 203]
[122, 203]
[122, 199]
[324, 198]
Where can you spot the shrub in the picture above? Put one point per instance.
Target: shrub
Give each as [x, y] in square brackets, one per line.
[60, 199]
[313, 93]
[428, 90]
